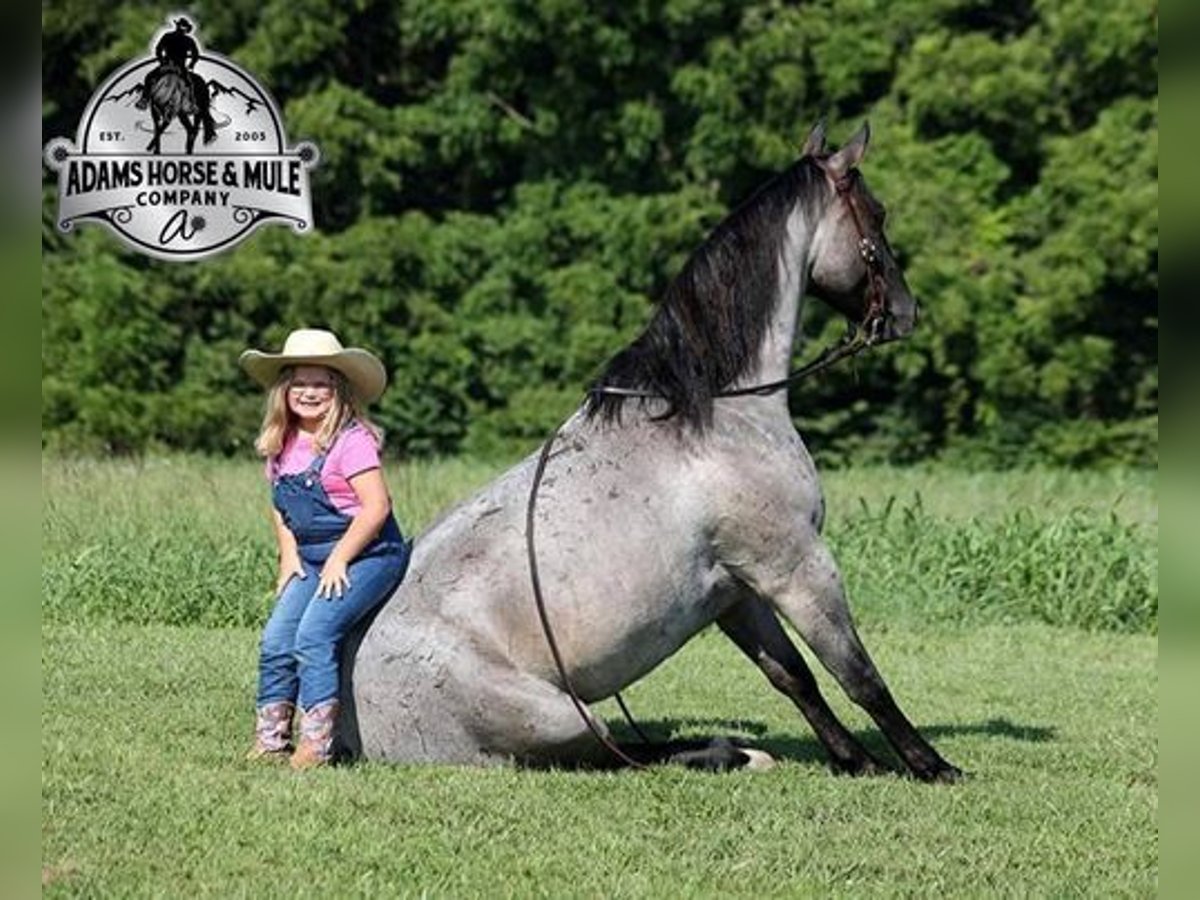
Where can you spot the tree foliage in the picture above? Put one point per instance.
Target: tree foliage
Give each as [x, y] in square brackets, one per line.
[507, 185]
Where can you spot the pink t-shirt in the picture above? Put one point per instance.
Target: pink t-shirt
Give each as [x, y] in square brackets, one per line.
[353, 452]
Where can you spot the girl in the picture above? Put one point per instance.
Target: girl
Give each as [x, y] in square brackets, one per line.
[341, 552]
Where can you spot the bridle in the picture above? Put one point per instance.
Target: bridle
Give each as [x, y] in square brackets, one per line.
[876, 314]
[858, 337]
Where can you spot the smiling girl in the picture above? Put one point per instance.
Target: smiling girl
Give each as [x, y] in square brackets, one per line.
[341, 552]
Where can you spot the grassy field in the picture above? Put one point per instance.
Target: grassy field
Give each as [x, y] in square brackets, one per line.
[192, 544]
[1051, 705]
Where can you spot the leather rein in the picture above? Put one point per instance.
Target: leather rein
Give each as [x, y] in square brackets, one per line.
[856, 339]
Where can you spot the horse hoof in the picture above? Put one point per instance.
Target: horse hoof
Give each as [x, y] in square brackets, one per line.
[947, 774]
[860, 768]
[759, 760]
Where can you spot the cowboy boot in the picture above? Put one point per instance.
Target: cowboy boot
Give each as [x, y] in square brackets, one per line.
[272, 731]
[316, 736]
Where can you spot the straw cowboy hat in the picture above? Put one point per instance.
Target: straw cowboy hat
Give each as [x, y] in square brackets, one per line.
[315, 347]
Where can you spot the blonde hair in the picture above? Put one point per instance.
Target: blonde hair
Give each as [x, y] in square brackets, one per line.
[278, 420]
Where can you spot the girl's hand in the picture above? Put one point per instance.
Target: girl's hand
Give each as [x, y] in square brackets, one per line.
[334, 579]
[287, 568]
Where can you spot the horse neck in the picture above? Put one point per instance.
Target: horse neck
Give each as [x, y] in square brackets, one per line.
[774, 357]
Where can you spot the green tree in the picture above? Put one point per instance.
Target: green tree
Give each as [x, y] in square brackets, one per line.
[506, 186]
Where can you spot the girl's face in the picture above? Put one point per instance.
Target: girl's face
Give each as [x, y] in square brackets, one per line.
[310, 395]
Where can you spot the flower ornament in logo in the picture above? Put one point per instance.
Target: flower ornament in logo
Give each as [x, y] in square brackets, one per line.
[182, 154]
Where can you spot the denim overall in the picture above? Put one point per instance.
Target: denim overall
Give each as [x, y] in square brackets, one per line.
[299, 653]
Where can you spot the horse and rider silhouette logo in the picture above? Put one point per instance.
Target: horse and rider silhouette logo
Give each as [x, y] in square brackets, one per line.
[215, 167]
[173, 90]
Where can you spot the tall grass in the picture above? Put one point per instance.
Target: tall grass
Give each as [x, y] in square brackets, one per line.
[182, 540]
[185, 540]
[1075, 568]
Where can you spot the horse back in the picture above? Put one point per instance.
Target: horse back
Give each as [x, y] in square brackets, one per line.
[623, 543]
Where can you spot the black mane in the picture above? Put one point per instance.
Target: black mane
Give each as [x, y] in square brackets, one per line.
[707, 328]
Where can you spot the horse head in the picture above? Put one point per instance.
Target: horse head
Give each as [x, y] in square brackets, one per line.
[851, 264]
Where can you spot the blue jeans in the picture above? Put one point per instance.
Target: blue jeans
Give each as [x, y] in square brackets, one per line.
[302, 638]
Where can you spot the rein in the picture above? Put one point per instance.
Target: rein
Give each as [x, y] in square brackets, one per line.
[580, 706]
[857, 338]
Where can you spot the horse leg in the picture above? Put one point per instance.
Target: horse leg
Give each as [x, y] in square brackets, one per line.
[203, 103]
[192, 127]
[155, 145]
[754, 628]
[533, 722]
[813, 600]
[537, 724]
[709, 755]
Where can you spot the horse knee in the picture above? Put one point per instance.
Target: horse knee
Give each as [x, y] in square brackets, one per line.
[787, 680]
[865, 687]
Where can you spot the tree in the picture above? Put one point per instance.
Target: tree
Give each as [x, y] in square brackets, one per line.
[506, 186]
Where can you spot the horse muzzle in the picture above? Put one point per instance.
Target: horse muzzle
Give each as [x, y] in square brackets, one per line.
[889, 326]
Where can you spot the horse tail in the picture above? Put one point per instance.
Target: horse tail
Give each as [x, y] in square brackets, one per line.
[202, 102]
[210, 127]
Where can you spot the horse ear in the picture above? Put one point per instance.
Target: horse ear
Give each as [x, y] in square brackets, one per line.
[814, 144]
[840, 164]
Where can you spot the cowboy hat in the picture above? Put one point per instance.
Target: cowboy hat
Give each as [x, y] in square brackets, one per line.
[316, 347]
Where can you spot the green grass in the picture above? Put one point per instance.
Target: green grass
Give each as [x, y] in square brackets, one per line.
[1012, 614]
[192, 544]
[144, 792]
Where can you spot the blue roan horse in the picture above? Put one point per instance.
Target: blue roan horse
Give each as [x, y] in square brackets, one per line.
[656, 517]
